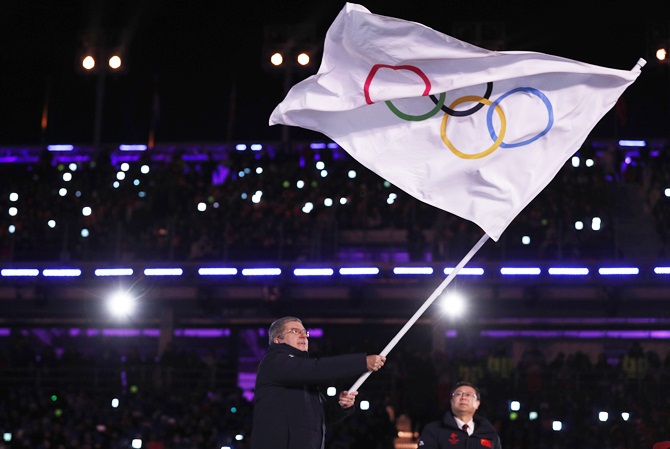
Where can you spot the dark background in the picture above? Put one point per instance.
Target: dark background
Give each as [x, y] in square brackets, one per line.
[202, 60]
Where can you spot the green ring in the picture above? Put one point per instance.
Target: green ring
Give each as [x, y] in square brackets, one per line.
[418, 118]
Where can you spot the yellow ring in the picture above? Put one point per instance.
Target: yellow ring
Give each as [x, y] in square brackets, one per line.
[492, 148]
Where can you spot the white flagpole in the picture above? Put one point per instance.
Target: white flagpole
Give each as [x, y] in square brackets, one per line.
[423, 308]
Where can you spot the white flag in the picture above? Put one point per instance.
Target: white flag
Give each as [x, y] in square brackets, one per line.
[477, 133]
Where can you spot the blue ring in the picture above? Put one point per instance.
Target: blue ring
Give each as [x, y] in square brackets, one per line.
[541, 96]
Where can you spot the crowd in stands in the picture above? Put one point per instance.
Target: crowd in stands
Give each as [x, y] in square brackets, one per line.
[655, 180]
[294, 205]
[188, 399]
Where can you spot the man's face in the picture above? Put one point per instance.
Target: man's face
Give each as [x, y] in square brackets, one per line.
[464, 401]
[294, 334]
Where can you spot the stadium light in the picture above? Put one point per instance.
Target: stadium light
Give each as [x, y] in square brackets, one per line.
[93, 50]
[452, 304]
[121, 304]
[276, 59]
[288, 49]
[88, 62]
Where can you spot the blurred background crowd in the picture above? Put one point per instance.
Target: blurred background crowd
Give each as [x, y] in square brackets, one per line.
[315, 203]
[107, 394]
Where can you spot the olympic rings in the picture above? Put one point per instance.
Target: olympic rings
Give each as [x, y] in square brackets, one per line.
[450, 111]
[418, 118]
[472, 110]
[498, 141]
[545, 100]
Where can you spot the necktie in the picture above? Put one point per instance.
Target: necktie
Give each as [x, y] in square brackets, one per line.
[465, 428]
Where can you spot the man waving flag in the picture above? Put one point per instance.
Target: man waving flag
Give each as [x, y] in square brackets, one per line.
[477, 133]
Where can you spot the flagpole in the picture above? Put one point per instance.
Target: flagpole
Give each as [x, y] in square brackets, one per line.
[437, 292]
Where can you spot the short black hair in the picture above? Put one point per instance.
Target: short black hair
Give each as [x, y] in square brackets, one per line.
[467, 384]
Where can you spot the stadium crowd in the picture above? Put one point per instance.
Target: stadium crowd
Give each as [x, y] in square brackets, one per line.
[306, 204]
[188, 399]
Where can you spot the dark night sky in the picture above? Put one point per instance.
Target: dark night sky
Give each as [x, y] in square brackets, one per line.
[194, 52]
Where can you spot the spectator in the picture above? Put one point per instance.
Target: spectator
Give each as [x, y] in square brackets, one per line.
[461, 427]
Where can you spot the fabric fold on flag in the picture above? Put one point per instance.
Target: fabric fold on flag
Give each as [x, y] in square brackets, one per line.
[475, 132]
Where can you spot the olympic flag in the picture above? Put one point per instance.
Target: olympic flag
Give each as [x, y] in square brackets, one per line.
[477, 133]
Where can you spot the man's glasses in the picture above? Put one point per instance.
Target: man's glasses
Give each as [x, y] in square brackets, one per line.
[304, 332]
[465, 394]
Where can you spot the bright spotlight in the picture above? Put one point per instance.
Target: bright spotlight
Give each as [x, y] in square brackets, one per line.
[115, 62]
[596, 223]
[303, 59]
[276, 59]
[88, 63]
[121, 304]
[453, 304]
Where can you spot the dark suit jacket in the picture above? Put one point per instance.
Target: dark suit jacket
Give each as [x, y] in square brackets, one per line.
[289, 410]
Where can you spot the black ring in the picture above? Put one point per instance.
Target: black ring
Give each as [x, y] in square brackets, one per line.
[472, 110]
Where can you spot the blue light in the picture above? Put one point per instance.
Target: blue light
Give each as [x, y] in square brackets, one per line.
[240, 147]
[114, 272]
[56, 148]
[163, 272]
[358, 271]
[618, 271]
[568, 271]
[61, 272]
[466, 271]
[126, 147]
[221, 271]
[520, 271]
[19, 272]
[317, 146]
[632, 143]
[580, 334]
[313, 272]
[261, 272]
[412, 270]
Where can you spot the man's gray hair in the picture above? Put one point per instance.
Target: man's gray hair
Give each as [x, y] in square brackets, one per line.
[277, 328]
